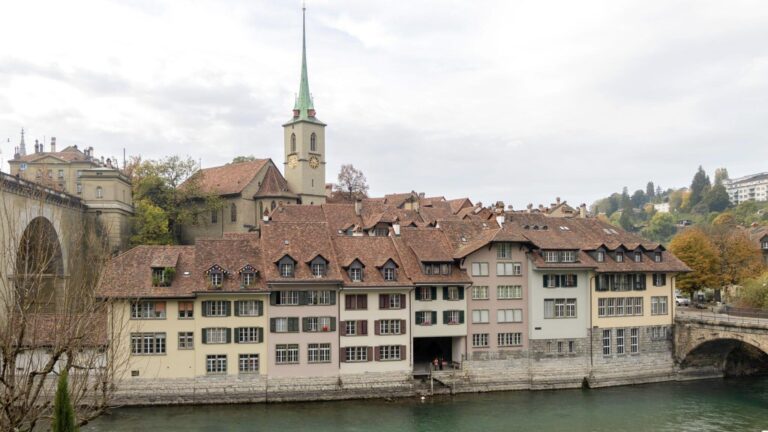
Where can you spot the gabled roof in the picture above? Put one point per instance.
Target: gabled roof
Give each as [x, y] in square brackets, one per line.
[273, 184]
[68, 154]
[228, 179]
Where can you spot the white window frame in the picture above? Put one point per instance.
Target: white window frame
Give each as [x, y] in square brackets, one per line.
[509, 316]
[186, 340]
[356, 354]
[480, 340]
[480, 269]
[390, 353]
[479, 292]
[248, 363]
[606, 342]
[509, 292]
[215, 335]
[248, 308]
[248, 335]
[390, 327]
[287, 354]
[319, 353]
[480, 316]
[620, 333]
[634, 340]
[509, 339]
[216, 364]
[350, 328]
[149, 343]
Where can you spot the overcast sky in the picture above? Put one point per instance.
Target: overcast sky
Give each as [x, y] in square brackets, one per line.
[519, 101]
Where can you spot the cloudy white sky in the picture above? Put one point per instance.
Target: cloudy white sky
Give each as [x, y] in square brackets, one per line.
[519, 101]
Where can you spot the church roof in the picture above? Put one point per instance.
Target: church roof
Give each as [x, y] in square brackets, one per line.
[273, 184]
[229, 179]
[304, 108]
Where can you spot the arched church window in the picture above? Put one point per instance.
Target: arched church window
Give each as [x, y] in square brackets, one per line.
[293, 143]
[313, 142]
[233, 211]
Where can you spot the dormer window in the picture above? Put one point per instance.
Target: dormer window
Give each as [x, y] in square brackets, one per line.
[389, 274]
[568, 256]
[319, 266]
[619, 256]
[550, 256]
[764, 244]
[216, 279]
[356, 274]
[162, 276]
[638, 256]
[286, 269]
[600, 257]
[247, 276]
[657, 255]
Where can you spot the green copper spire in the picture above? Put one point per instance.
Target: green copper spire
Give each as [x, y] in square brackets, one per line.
[304, 107]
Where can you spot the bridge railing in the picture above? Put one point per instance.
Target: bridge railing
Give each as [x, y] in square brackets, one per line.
[727, 314]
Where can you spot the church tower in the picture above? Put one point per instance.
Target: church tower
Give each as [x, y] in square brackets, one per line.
[304, 138]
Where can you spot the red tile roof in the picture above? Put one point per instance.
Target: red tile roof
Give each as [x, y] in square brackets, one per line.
[229, 179]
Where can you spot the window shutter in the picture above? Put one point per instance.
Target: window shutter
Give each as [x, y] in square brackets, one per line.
[259, 334]
[383, 301]
[364, 303]
[333, 323]
[342, 328]
[434, 318]
[272, 324]
[342, 355]
[559, 280]
[305, 324]
[205, 307]
[333, 297]
[377, 354]
[370, 353]
[445, 293]
[237, 334]
[402, 327]
[362, 327]
[461, 293]
[446, 318]
[402, 301]
[433, 294]
[229, 335]
[403, 352]
[293, 324]
[237, 309]
[228, 308]
[347, 301]
[376, 327]
[419, 318]
[303, 298]
[205, 335]
[461, 317]
[273, 297]
[259, 307]
[546, 281]
[575, 280]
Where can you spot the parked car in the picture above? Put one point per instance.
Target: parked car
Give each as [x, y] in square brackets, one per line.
[682, 301]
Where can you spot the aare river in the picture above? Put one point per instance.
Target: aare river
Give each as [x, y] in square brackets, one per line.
[738, 404]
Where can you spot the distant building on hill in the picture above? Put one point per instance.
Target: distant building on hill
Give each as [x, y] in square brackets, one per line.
[748, 188]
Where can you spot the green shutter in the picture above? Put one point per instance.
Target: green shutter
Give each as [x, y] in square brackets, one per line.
[205, 308]
[237, 335]
[575, 280]
[229, 335]
[461, 293]
[333, 297]
[433, 295]
[445, 293]
[305, 324]
[546, 281]
[333, 324]
[293, 324]
[273, 297]
[259, 307]
[303, 297]
[237, 309]
[419, 318]
[272, 324]
[205, 335]
[434, 318]
[260, 334]
[461, 317]
[446, 318]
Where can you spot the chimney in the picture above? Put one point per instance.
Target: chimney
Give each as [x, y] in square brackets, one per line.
[583, 210]
[500, 218]
[109, 162]
[53, 144]
[396, 228]
[529, 207]
[37, 145]
[557, 200]
[358, 206]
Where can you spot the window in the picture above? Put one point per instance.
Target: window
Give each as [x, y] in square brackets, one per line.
[216, 279]
[480, 269]
[249, 335]
[571, 347]
[99, 192]
[319, 324]
[147, 343]
[658, 305]
[217, 335]
[619, 341]
[148, 310]
[659, 279]
[638, 256]
[480, 316]
[436, 269]
[606, 342]
[79, 173]
[551, 256]
[293, 143]
[389, 274]
[355, 301]
[286, 269]
[426, 293]
[453, 293]
[79, 187]
[319, 353]
[318, 269]
[568, 280]
[509, 269]
[216, 308]
[390, 352]
[479, 293]
[638, 310]
[284, 325]
[657, 256]
[248, 363]
[313, 142]
[509, 315]
[248, 308]
[186, 340]
[445, 269]
[619, 256]
[510, 339]
[560, 308]
[619, 306]
[186, 309]
[568, 256]
[248, 278]
[561, 280]
[214, 216]
[600, 256]
[287, 354]
[216, 364]
[356, 354]
[504, 250]
[764, 245]
[426, 318]
[321, 298]
[452, 317]
[508, 292]
[658, 333]
[287, 298]
[355, 274]
[390, 327]
[634, 340]
[350, 328]
[560, 347]
[480, 340]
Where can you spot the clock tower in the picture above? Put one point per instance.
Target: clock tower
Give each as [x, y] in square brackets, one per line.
[304, 140]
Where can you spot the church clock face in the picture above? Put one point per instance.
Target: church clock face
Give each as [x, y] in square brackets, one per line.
[314, 162]
[293, 161]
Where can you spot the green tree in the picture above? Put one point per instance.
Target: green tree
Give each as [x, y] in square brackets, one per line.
[238, 159]
[721, 174]
[739, 257]
[695, 249]
[150, 225]
[754, 292]
[699, 187]
[63, 413]
[638, 198]
[676, 199]
[650, 191]
[717, 198]
[661, 227]
[625, 220]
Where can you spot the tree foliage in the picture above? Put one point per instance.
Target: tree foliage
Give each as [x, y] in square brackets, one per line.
[661, 227]
[739, 257]
[717, 198]
[754, 292]
[699, 187]
[238, 159]
[695, 249]
[351, 183]
[63, 413]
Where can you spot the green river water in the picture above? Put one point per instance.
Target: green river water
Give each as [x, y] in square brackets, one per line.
[739, 404]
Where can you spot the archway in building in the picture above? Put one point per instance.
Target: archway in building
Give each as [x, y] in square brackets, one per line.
[732, 356]
[39, 267]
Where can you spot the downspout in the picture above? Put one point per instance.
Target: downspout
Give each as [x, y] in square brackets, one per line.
[591, 328]
[410, 326]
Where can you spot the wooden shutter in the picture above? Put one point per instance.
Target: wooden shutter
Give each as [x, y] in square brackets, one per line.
[376, 327]
[205, 335]
[370, 353]
[259, 307]
[546, 281]
[461, 293]
[237, 308]
[383, 301]
[342, 355]
[575, 280]
[419, 318]
[333, 297]
[227, 308]
[402, 327]
[303, 297]
[237, 334]
[259, 334]
[229, 335]
[293, 324]
[402, 301]
[461, 317]
[377, 354]
[272, 324]
[403, 352]
[333, 323]
[273, 297]
[445, 293]
[434, 317]
[305, 324]
[362, 327]
[364, 303]
[342, 328]
[348, 301]
[446, 318]
[433, 295]
[205, 307]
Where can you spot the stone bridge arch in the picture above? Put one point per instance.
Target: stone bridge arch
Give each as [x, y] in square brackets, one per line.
[721, 344]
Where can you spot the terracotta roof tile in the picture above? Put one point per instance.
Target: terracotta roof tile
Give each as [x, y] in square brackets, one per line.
[273, 184]
[229, 179]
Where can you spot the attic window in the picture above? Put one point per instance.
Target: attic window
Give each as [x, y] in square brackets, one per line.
[600, 256]
[319, 267]
[162, 276]
[217, 278]
[248, 278]
[607, 231]
[638, 256]
[657, 255]
[564, 228]
[619, 256]
[356, 274]
[389, 274]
